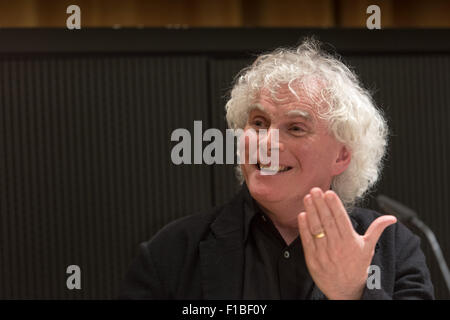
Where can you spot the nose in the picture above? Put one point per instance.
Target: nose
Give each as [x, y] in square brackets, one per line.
[272, 141]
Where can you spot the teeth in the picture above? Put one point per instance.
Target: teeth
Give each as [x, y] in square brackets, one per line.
[274, 168]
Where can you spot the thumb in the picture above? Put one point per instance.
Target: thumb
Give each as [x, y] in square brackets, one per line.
[377, 227]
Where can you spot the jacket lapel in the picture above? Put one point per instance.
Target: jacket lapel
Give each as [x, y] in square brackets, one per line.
[222, 254]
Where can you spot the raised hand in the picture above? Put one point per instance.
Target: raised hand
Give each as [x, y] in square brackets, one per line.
[337, 257]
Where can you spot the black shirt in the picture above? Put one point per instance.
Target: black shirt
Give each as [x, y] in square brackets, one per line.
[272, 269]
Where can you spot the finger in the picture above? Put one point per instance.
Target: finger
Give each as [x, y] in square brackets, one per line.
[321, 254]
[315, 227]
[341, 217]
[305, 235]
[314, 224]
[377, 227]
[326, 218]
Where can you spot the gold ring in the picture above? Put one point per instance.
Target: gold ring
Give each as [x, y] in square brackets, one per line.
[319, 235]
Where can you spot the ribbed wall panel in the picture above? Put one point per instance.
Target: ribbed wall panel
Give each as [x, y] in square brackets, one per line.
[222, 72]
[414, 91]
[85, 165]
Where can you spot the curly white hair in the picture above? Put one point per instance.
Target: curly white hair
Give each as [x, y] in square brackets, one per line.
[350, 111]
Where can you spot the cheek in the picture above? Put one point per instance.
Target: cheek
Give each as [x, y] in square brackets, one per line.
[312, 156]
[302, 152]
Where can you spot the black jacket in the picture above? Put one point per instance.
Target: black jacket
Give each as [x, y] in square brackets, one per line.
[202, 257]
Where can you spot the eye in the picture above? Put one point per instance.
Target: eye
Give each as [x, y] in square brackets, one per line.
[297, 130]
[259, 123]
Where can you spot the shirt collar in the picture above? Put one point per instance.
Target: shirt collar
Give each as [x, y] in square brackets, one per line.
[251, 209]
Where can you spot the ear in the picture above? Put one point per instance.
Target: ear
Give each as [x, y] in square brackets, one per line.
[342, 161]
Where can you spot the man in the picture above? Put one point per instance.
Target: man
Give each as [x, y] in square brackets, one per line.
[295, 233]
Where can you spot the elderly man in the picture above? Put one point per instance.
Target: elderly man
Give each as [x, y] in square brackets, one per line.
[295, 233]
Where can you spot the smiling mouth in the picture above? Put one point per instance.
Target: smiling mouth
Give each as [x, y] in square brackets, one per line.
[272, 170]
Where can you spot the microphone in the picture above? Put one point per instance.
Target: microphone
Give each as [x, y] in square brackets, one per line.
[406, 214]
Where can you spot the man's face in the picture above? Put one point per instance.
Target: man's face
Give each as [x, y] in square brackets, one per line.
[311, 155]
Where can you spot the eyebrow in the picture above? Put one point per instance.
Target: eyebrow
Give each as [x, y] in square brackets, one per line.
[297, 113]
[292, 113]
[258, 106]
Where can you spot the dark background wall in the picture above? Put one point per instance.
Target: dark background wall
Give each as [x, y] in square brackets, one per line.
[85, 126]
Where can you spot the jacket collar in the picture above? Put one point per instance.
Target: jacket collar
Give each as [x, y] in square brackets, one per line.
[222, 253]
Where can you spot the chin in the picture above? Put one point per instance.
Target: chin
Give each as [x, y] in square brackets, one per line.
[264, 191]
[266, 188]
